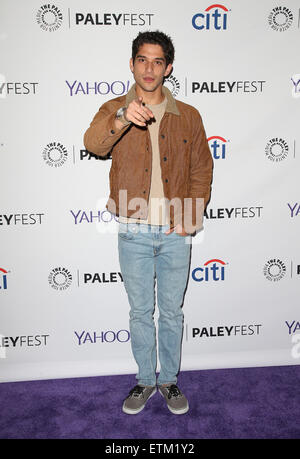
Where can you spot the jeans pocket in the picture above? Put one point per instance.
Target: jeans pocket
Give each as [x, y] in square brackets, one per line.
[124, 233]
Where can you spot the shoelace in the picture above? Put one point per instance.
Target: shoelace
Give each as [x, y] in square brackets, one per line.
[173, 391]
[136, 391]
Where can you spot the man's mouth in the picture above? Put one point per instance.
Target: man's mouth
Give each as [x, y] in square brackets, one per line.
[148, 79]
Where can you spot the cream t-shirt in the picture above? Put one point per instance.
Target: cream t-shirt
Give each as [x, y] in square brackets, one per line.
[156, 204]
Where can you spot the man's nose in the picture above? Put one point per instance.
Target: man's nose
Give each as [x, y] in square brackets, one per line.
[149, 66]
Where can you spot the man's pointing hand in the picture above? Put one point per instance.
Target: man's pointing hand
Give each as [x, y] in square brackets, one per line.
[138, 113]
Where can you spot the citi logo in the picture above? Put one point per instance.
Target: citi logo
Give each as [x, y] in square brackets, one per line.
[213, 270]
[217, 146]
[3, 279]
[215, 17]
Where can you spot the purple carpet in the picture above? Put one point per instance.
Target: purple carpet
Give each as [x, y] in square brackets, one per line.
[228, 403]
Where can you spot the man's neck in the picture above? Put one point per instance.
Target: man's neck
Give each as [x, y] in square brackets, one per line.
[151, 98]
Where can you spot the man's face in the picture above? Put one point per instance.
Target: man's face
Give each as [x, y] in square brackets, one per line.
[149, 67]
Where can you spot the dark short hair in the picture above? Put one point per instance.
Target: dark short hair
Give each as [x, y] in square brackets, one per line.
[154, 38]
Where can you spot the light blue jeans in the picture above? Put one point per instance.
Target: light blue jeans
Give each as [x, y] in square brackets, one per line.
[146, 253]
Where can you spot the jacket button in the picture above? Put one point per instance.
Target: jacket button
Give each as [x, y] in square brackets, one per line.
[144, 192]
[185, 141]
[162, 136]
[146, 170]
[166, 180]
[165, 158]
[112, 131]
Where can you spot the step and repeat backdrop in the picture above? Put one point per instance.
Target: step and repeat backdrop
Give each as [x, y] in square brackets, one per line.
[63, 306]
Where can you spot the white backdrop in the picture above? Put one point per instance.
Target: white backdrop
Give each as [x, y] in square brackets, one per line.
[64, 310]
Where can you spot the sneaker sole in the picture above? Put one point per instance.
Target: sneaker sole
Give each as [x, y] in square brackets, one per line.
[129, 411]
[181, 411]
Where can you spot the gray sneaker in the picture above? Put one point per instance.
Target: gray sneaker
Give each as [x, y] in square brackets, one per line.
[176, 401]
[137, 399]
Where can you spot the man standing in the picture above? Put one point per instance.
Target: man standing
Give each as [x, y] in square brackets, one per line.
[160, 182]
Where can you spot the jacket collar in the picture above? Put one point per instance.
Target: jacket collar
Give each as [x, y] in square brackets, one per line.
[171, 102]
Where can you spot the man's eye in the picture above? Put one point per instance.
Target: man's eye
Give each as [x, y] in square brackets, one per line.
[158, 62]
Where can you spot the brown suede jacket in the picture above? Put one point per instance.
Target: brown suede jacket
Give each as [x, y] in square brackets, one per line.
[185, 158]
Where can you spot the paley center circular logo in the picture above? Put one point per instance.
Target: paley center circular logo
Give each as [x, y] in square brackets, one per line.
[274, 270]
[173, 85]
[60, 278]
[49, 17]
[280, 18]
[277, 149]
[55, 154]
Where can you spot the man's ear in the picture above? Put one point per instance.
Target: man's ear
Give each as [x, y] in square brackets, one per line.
[131, 64]
[168, 70]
